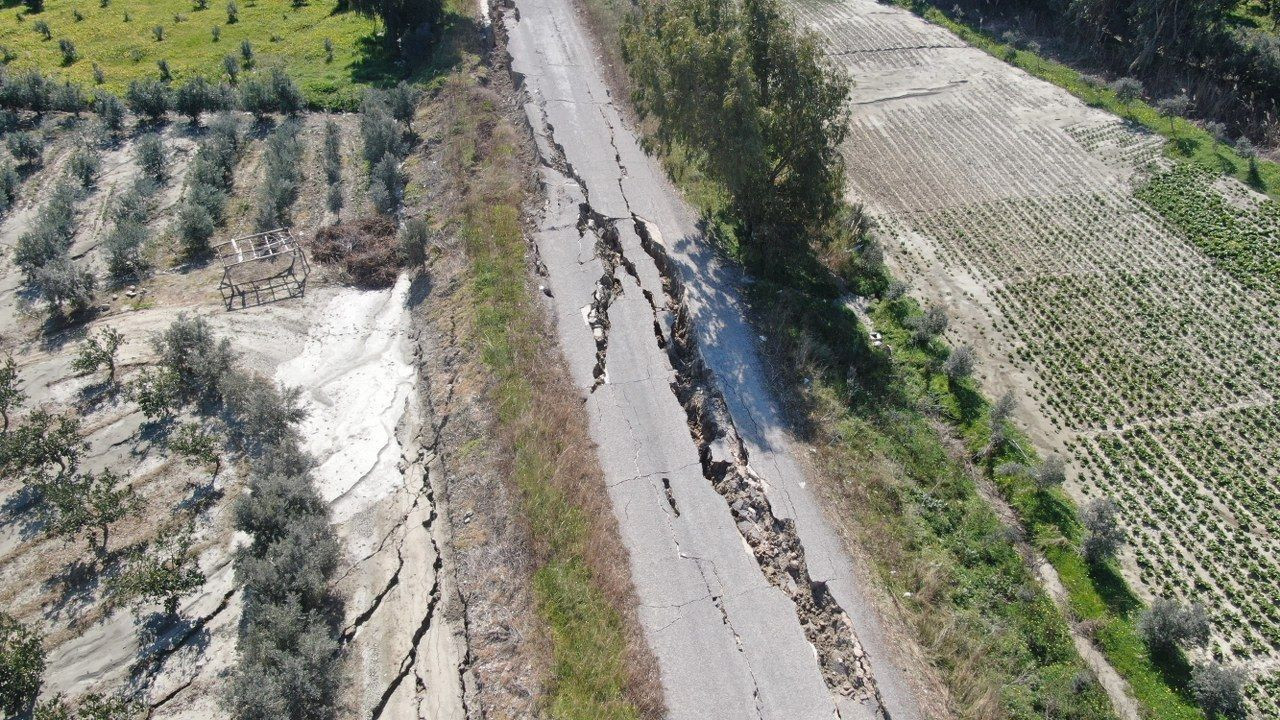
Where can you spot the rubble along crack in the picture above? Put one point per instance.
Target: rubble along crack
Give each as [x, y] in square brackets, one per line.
[845, 665]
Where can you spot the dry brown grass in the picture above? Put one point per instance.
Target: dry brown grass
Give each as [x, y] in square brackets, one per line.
[599, 663]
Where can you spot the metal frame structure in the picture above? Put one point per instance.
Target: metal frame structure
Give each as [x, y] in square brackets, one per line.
[285, 275]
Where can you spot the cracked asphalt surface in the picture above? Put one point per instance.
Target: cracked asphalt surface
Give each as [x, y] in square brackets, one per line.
[747, 597]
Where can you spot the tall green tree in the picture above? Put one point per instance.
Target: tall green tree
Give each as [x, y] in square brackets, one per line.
[400, 17]
[754, 101]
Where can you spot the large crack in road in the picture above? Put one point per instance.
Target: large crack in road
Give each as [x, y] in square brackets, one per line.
[747, 598]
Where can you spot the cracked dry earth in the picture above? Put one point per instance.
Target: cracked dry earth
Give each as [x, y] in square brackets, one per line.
[747, 598]
[365, 426]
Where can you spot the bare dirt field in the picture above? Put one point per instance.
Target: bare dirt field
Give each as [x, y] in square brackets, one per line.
[1143, 360]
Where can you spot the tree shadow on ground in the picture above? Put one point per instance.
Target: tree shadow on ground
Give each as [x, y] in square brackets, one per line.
[1113, 589]
[20, 509]
[76, 585]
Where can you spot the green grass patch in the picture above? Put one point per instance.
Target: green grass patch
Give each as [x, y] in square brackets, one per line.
[293, 37]
[1187, 140]
[589, 644]
[591, 673]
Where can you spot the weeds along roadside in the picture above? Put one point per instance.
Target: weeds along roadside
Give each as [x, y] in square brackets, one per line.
[600, 665]
[895, 442]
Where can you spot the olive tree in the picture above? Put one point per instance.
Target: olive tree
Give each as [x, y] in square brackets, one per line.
[22, 663]
[929, 325]
[11, 395]
[1103, 534]
[162, 572]
[99, 352]
[1168, 624]
[1219, 690]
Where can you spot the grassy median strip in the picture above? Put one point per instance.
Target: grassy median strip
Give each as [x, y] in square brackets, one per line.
[601, 668]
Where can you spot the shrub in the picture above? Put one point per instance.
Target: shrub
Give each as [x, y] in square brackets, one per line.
[264, 416]
[332, 152]
[959, 364]
[110, 110]
[233, 16]
[199, 361]
[98, 76]
[149, 153]
[125, 251]
[1051, 474]
[134, 205]
[9, 182]
[1167, 624]
[1127, 89]
[246, 53]
[195, 227]
[386, 185]
[328, 50]
[65, 286]
[402, 101]
[158, 32]
[26, 147]
[283, 161]
[165, 74]
[149, 98]
[27, 90]
[1103, 534]
[334, 199]
[289, 665]
[929, 325]
[7, 55]
[216, 32]
[198, 96]
[68, 97]
[42, 27]
[1219, 690]
[415, 236]
[381, 134]
[68, 50]
[99, 352]
[84, 166]
[22, 665]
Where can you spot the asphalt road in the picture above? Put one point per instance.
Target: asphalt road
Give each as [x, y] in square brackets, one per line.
[735, 636]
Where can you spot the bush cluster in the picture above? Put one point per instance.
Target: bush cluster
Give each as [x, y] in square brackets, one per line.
[279, 190]
[273, 91]
[125, 244]
[333, 166]
[208, 184]
[385, 123]
[42, 253]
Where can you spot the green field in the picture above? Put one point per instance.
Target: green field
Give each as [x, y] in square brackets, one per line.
[293, 37]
